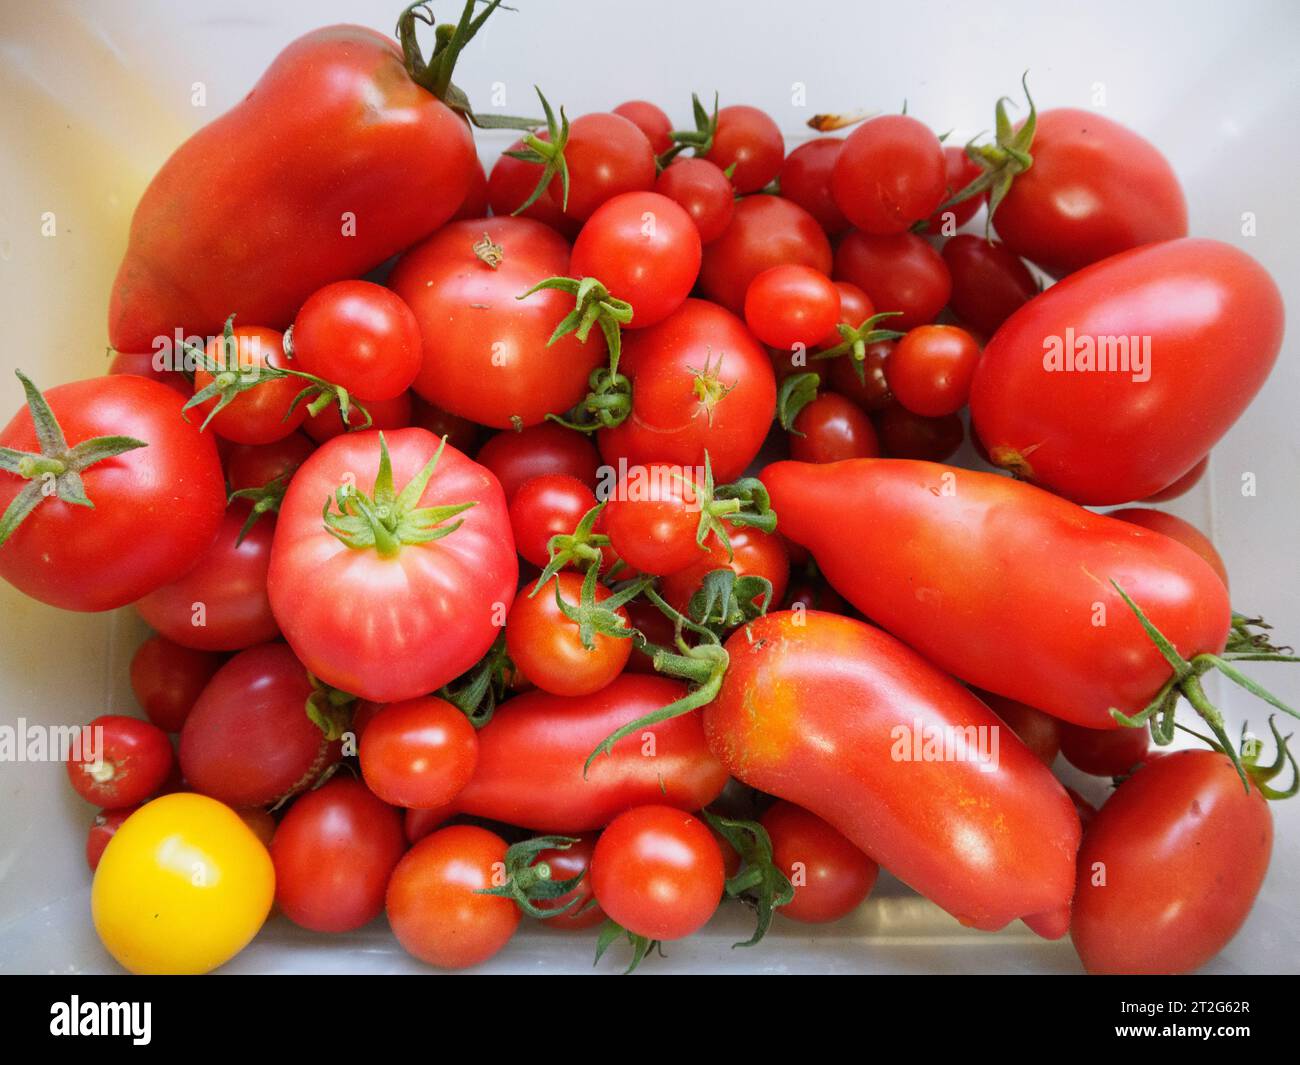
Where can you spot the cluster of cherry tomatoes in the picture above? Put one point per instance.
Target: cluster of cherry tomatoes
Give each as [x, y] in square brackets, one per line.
[600, 673]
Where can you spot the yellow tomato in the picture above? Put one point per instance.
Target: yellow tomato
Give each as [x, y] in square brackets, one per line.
[182, 887]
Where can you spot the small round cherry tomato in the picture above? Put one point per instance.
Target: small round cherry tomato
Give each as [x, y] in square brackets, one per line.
[119, 761]
[703, 192]
[962, 170]
[831, 877]
[545, 448]
[649, 119]
[890, 174]
[748, 140]
[791, 305]
[652, 521]
[607, 154]
[168, 679]
[256, 465]
[547, 506]
[393, 413]
[258, 415]
[931, 369]
[511, 183]
[832, 428]
[753, 553]
[565, 865]
[899, 272]
[420, 753]
[1103, 752]
[805, 178]
[871, 392]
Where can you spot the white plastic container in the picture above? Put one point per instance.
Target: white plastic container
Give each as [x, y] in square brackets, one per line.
[94, 97]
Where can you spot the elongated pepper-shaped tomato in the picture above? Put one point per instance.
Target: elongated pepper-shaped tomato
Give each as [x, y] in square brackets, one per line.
[531, 755]
[842, 719]
[1003, 584]
[334, 162]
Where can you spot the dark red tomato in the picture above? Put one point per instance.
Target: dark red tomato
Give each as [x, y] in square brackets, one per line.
[753, 553]
[805, 179]
[1183, 485]
[764, 231]
[607, 155]
[393, 413]
[222, 603]
[1109, 752]
[703, 192]
[904, 435]
[155, 508]
[167, 679]
[461, 433]
[257, 465]
[700, 382]
[143, 365]
[900, 272]
[419, 753]
[1170, 867]
[989, 283]
[831, 877]
[645, 249]
[813, 593]
[360, 336]
[1188, 325]
[1183, 531]
[650, 120]
[931, 369]
[1095, 189]
[791, 306]
[961, 171]
[565, 865]
[434, 900]
[513, 181]
[248, 741]
[546, 448]
[1038, 731]
[871, 393]
[475, 203]
[102, 829]
[655, 626]
[652, 519]
[419, 823]
[855, 308]
[547, 506]
[658, 872]
[891, 173]
[119, 761]
[258, 415]
[749, 140]
[832, 428]
[532, 752]
[333, 853]
[485, 350]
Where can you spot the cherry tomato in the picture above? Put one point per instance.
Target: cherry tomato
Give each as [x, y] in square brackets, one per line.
[1111, 752]
[812, 593]
[168, 678]
[258, 415]
[831, 877]
[607, 154]
[461, 433]
[871, 393]
[747, 139]
[989, 283]
[1038, 731]
[260, 823]
[103, 828]
[904, 435]
[393, 413]
[434, 902]
[565, 865]
[832, 428]
[805, 179]
[899, 272]
[511, 183]
[519, 456]
[119, 761]
[419, 753]
[890, 174]
[334, 852]
[753, 553]
[961, 171]
[257, 465]
[658, 872]
[1175, 527]
[931, 369]
[652, 519]
[703, 191]
[649, 119]
[791, 306]
[547, 506]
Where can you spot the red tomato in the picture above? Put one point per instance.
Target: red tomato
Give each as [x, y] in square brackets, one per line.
[119, 761]
[1038, 731]
[419, 823]
[486, 356]
[393, 413]
[652, 519]
[831, 877]
[260, 823]
[1175, 527]
[1104, 752]
[475, 203]
[645, 249]
[547, 506]
[764, 231]
[831, 429]
[652, 623]
[461, 433]
[650, 120]
[519, 456]
[361, 336]
[904, 435]
[953, 549]
[419, 753]
[1188, 325]
[260, 414]
[791, 306]
[257, 465]
[855, 308]
[753, 553]
[930, 370]
[334, 852]
[248, 741]
[989, 283]
[961, 171]
[871, 393]
[221, 604]
[511, 183]
[607, 154]
[658, 872]
[434, 899]
[1095, 189]
[835, 715]
[700, 382]
[1183, 485]
[813, 593]
[383, 611]
[1170, 867]
[155, 508]
[102, 829]
[167, 680]
[143, 365]
[565, 865]
[890, 174]
[703, 191]
[805, 179]
[747, 139]
[900, 272]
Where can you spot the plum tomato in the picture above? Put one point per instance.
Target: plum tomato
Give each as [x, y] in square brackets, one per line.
[168, 678]
[989, 283]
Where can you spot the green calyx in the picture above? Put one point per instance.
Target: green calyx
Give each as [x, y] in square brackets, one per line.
[1185, 681]
[478, 691]
[607, 404]
[1249, 753]
[854, 340]
[593, 305]
[699, 139]
[330, 709]
[599, 618]
[725, 600]
[611, 930]
[388, 520]
[795, 393]
[549, 153]
[55, 470]
[265, 499]
[759, 881]
[528, 881]
[743, 502]
[579, 549]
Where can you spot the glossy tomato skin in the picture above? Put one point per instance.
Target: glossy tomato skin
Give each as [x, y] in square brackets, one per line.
[999, 583]
[395, 413]
[433, 899]
[806, 180]
[1183, 485]
[831, 877]
[753, 553]
[607, 156]
[157, 508]
[904, 435]
[658, 872]
[1104, 752]
[1173, 526]
[475, 203]
[962, 170]
[651, 120]
[511, 183]
[388, 629]
[872, 392]
[121, 761]
[419, 754]
[546, 448]
[890, 174]
[256, 465]
[700, 381]
[831, 429]
[1183, 849]
[989, 282]
[931, 369]
[1095, 189]
[264, 413]
[333, 853]
[167, 679]
[546, 506]
[791, 305]
[339, 132]
[751, 141]
[829, 713]
[485, 351]
[103, 828]
[652, 521]
[229, 582]
[1038, 731]
[899, 272]
[1209, 320]
[532, 752]
[565, 865]
[764, 231]
[248, 741]
[703, 192]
